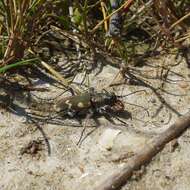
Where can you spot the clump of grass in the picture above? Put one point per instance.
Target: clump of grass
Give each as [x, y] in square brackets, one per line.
[20, 22]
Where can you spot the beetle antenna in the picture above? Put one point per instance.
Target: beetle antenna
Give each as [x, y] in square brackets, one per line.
[131, 93]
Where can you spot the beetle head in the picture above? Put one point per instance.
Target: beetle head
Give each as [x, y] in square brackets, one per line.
[109, 98]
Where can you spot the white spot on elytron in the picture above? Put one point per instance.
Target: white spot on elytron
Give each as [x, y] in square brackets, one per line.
[80, 105]
[68, 103]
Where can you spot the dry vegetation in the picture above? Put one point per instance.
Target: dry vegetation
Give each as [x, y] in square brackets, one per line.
[147, 26]
[62, 38]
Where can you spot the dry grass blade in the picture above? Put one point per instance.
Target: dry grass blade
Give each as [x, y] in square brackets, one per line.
[56, 75]
[104, 15]
[180, 20]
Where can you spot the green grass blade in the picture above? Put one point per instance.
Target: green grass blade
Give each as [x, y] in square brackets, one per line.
[17, 64]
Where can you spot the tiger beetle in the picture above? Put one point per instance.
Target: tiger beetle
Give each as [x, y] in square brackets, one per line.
[89, 102]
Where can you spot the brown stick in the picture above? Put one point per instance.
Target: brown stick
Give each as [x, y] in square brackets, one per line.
[119, 178]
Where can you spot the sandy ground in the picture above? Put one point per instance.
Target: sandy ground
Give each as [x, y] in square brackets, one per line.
[107, 147]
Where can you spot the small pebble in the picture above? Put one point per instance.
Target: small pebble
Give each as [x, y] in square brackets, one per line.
[183, 84]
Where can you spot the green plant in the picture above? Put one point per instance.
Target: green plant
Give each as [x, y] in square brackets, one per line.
[17, 64]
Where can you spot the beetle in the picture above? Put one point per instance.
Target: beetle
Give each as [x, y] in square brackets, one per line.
[89, 102]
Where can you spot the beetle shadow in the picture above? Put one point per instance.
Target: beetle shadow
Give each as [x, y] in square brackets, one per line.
[111, 117]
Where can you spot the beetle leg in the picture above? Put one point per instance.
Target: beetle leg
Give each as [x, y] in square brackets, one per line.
[88, 116]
